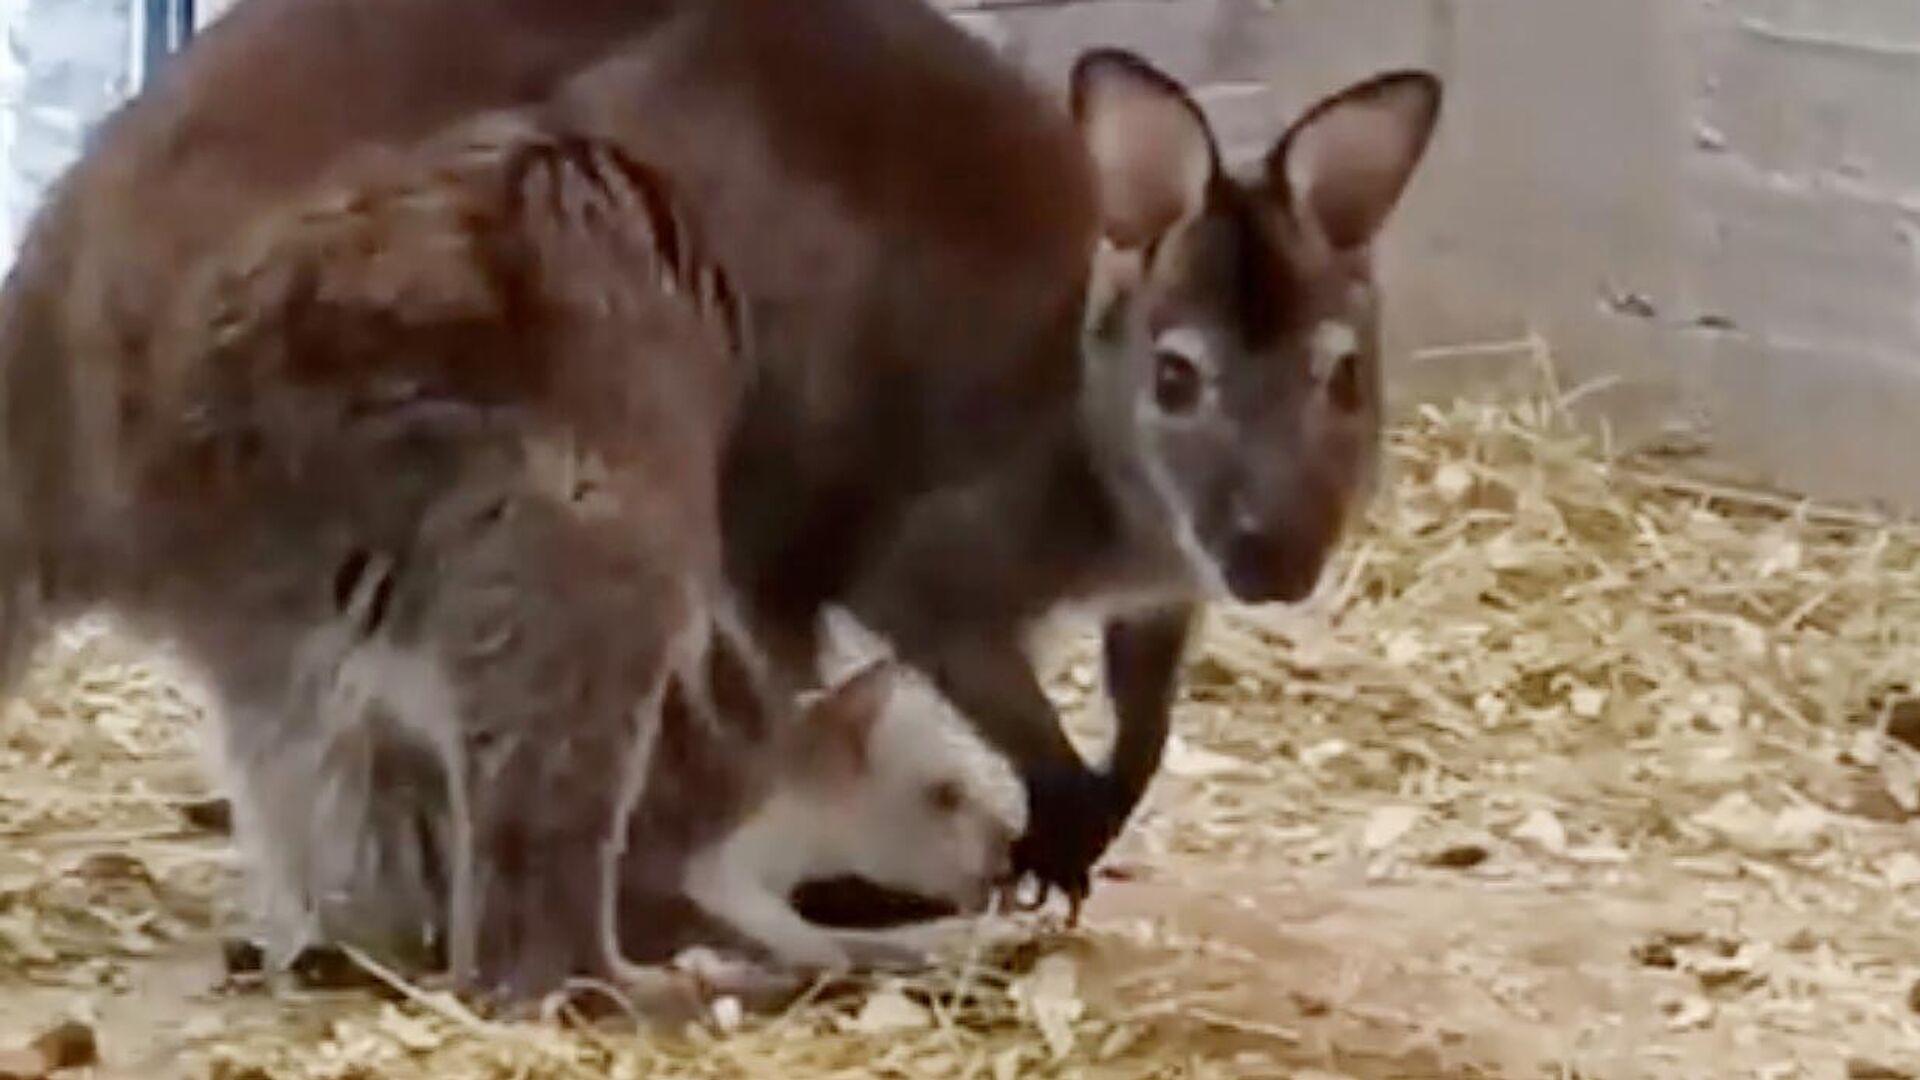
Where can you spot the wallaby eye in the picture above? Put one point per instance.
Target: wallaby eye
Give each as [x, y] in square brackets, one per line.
[945, 797]
[1177, 382]
[1343, 386]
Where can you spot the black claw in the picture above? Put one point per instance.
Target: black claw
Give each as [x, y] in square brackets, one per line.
[1073, 821]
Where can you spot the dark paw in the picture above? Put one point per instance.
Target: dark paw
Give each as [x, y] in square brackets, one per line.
[1071, 822]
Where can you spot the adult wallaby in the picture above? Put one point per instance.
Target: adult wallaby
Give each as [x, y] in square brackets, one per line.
[1012, 358]
[917, 236]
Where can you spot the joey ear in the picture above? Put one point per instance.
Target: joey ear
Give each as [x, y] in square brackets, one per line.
[841, 718]
[1153, 154]
[1345, 163]
[846, 645]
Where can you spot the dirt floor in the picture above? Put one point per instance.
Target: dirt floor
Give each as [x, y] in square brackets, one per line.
[1576, 768]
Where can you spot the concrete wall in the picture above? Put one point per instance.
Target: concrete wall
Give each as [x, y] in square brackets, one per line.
[1711, 205]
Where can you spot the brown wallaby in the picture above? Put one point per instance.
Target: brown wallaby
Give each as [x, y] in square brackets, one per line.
[934, 431]
[1012, 358]
[425, 477]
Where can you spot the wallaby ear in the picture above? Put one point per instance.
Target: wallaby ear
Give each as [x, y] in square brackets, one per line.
[1153, 154]
[846, 645]
[840, 719]
[1344, 164]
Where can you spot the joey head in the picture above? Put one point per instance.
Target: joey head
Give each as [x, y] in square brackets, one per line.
[878, 779]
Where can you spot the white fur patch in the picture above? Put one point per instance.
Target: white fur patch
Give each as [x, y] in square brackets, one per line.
[1207, 574]
[921, 733]
[1190, 343]
[306, 815]
[1332, 341]
[415, 690]
[846, 645]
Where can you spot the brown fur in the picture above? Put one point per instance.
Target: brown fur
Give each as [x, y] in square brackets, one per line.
[429, 476]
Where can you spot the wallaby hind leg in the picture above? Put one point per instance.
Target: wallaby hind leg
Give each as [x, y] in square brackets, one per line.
[346, 802]
[558, 629]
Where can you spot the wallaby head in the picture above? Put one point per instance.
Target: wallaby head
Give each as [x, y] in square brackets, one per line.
[915, 800]
[1248, 428]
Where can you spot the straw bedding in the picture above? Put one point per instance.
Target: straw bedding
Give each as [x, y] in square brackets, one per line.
[1576, 767]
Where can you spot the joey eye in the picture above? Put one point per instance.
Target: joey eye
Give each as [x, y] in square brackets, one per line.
[1177, 382]
[945, 797]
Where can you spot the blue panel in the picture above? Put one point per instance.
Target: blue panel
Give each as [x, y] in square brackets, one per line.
[166, 25]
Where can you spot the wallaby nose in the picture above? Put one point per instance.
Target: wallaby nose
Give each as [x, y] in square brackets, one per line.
[1272, 565]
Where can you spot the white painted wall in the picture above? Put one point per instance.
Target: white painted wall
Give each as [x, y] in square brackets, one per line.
[1713, 203]
[66, 64]
[205, 11]
[12, 81]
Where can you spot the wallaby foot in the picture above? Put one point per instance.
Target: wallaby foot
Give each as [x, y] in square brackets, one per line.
[543, 920]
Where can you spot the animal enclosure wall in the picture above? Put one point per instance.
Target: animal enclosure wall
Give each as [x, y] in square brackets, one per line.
[1714, 203]
[1711, 205]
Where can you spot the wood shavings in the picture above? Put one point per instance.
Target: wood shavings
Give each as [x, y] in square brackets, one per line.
[1386, 825]
[889, 1011]
[1542, 827]
[68, 1045]
[1574, 766]
[1049, 998]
